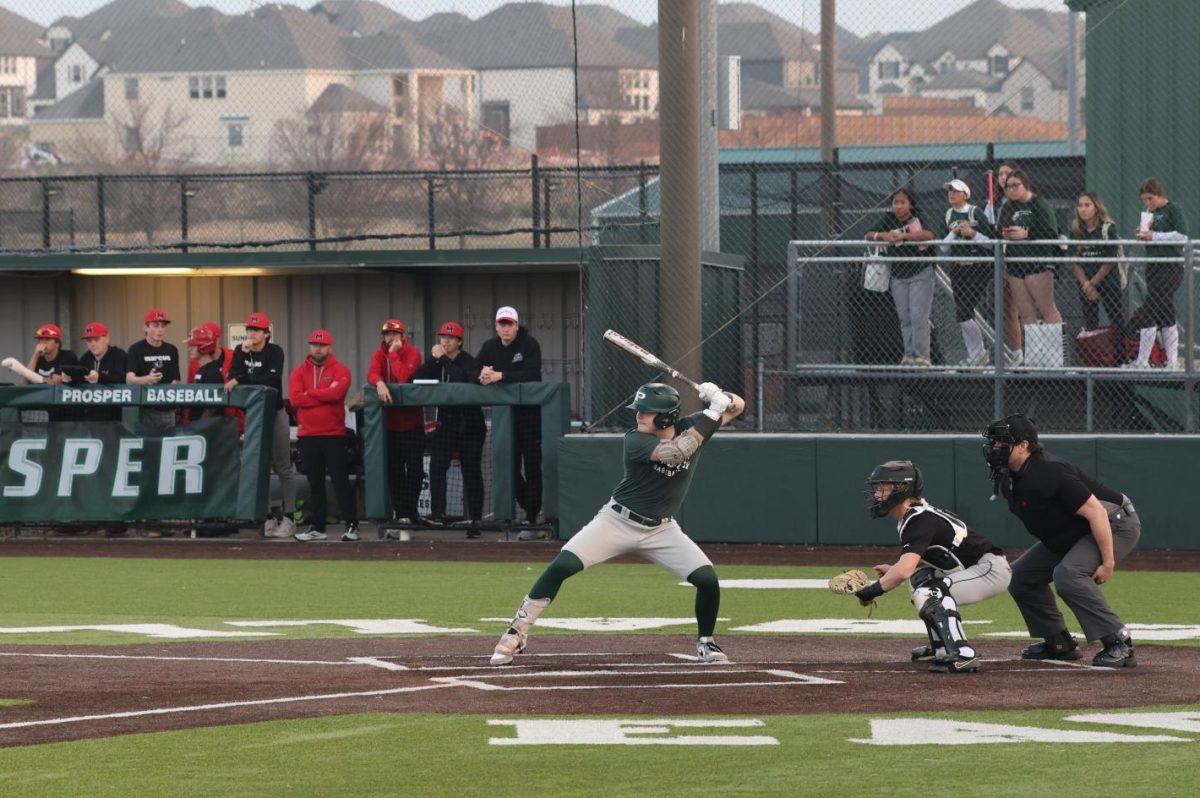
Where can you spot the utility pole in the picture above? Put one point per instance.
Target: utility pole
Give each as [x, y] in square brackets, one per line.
[829, 115]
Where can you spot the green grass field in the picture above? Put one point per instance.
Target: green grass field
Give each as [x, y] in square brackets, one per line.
[421, 754]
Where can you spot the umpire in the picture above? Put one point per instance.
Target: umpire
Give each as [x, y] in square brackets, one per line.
[1084, 528]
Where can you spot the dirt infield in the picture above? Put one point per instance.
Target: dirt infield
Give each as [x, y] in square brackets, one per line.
[85, 692]
[436, 546]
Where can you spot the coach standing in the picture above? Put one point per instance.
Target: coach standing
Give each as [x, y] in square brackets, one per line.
[1084, 528]
[514, 355]
[395, 361]
[317, 389]
[260, 362]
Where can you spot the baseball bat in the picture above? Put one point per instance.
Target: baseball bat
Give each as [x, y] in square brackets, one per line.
[614, 338]
[17, 367]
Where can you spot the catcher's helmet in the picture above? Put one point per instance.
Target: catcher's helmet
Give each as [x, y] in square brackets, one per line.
[906, 482]
[658, 398]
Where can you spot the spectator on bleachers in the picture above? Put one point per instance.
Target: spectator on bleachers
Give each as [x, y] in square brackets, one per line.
[260, 362]
[911, 282]
[1012, 322]
[153, 361]
[513, 355]
[106, 365]
[1097, 272]
[395, 361]
[1028, 217]
[317, 389]
[969, 279]
[459, 429]
[49, 358]
[1164, 223]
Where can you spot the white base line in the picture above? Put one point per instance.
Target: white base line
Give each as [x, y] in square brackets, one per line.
[348, 661]
[375, 662]
[224, 705]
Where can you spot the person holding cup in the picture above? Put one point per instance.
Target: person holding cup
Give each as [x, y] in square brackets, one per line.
[1162, 221]
[1028, 217]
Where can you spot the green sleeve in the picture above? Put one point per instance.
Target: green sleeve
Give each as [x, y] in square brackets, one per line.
[1044, 221]
[639, 446]
[982, 225]
[1173, 220]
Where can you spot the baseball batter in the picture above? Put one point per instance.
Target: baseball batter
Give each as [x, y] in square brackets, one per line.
[660, 459]
[946, 563]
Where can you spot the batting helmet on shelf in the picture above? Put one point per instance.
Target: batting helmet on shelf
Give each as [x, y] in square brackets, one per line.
[658, 398]
[906, 482]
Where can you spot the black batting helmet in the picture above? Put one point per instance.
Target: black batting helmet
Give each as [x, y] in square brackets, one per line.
[660, 399]
[906, 482]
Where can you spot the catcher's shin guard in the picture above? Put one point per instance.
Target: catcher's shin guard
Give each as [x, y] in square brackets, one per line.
[939, 611]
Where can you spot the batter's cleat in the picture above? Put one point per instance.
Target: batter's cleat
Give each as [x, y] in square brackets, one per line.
[1117, 652]
[1060, 647]
[708, 651]
[925, 654]
[959, 664]
[511, 644]
[351, 533]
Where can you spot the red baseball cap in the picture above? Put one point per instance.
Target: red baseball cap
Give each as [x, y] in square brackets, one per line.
[258, 321]
[95, 329]
[49, 331]
[203, 339]
[321, 337]
[451, 328]
[215, 328]
[156, 315]
[392, 325]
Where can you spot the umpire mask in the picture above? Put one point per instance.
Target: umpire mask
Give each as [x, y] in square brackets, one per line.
[1001, 435]
[906, 482]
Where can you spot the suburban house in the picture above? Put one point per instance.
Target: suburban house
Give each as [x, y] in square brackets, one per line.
[22, 55]
[1006, 61]
[524, 54]
[206, 88]
[358, 17]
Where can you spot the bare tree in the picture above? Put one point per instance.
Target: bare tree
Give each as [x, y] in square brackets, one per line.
[11, 146]
[458, 144]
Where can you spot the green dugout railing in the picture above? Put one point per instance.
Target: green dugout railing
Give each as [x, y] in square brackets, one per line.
[80, 470]
[554, 398]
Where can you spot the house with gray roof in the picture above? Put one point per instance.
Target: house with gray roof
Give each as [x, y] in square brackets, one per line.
[358, 17]
[230, 84]
[524, 54]
[23, 54]
[1006, 60]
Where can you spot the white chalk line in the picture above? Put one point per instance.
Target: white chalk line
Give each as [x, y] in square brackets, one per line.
[223, 705]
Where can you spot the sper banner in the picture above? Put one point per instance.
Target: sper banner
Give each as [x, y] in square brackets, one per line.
[71, 472]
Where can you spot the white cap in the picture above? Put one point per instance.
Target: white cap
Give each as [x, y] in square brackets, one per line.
[958, 185]
[508, 313]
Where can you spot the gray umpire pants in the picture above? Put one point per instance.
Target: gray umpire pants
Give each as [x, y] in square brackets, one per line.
[1071, 574]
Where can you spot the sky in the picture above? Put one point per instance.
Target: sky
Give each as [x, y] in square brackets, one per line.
[860, 17]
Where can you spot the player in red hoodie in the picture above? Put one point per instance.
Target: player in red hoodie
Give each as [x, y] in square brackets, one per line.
[395, 361]
[317, 389]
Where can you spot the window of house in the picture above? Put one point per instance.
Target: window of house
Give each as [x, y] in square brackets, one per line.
[496, 121]
[235, 135]
[220, 87]
[76, 73]
[131, 88]
[194, 88]
[133, 138]
[889, 70]
[1027, 98]
[206, 87]
[207, 83]
[999, 65]
[399, 87]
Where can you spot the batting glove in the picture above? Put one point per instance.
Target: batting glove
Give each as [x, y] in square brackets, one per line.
[717, 405]
[708, 390]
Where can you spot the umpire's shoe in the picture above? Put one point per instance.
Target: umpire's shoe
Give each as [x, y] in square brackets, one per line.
[511, 644]
[1062, 647]
[960, 664]
[708, 651]
[1117, 653]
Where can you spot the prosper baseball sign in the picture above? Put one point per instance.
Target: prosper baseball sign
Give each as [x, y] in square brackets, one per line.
[72, 472]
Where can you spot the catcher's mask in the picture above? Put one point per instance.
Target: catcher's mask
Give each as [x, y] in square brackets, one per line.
[906, 482]
[1001, 436]
[657, 398]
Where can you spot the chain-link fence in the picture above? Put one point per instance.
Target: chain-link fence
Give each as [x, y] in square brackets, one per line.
[383, 126]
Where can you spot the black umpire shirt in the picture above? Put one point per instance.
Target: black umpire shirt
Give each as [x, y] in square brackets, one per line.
[926, 527]
[1046, 494]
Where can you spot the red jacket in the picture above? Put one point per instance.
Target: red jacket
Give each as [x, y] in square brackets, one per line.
[397, 367]
[319, 404]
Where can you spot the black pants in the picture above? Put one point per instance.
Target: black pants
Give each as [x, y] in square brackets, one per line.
[321, 454]
[1110, 295]
[1162, 281]
[406, 470]
[528, 449]
[470, 455]
[968, 281]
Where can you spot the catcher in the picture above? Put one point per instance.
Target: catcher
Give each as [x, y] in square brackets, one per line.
[945, 562]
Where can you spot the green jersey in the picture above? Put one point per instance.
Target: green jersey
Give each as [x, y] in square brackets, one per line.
[972, 215]
[1037, 217]
[1167, 219]
[889, 223]
[655, 490]
[1097, 253]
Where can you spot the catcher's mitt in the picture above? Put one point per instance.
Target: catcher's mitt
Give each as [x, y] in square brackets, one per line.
[847, 583]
